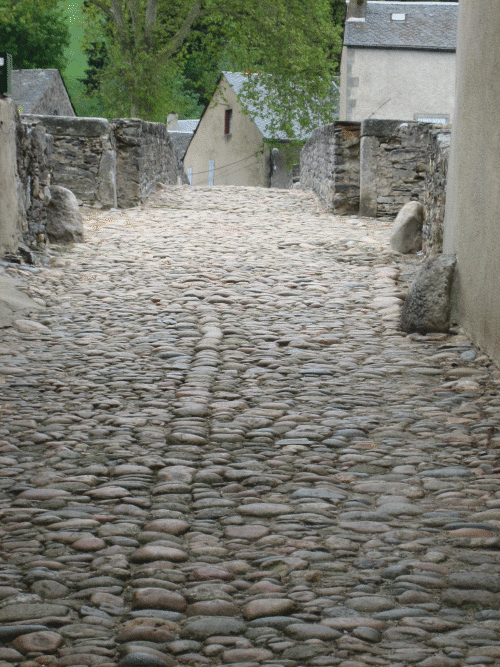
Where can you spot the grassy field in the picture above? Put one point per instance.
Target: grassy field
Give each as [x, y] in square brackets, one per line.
[77, 62]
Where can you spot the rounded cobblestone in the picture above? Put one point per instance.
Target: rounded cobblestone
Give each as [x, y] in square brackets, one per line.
[216, 447]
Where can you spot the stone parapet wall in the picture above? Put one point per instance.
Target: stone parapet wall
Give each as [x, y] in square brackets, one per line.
[145, 156]
[83, 157]
[92, 157]
[329, 165]
[34, 170]
[435, 189]
[376, 167]
[393, 166]
[108, 164]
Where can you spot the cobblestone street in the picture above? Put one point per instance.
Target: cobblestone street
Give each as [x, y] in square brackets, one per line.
[216, 448]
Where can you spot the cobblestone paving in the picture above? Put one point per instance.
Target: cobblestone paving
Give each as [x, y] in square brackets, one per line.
[217, 449]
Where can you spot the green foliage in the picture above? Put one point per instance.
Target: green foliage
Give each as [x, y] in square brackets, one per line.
[167, 55]
[85, 104]
[34, 32]
[98, 59]
[292, 50]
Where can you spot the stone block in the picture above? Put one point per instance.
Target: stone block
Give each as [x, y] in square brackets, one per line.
[64, 221]
[406, 233]
[428, 304]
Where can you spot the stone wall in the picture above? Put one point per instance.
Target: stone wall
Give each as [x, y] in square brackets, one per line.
[435, 189]
[330, 164]
[80, 154]
[145, 156]
[378, 166]
[34, 169]
[108, 164]
[83, 157]
[393, 166]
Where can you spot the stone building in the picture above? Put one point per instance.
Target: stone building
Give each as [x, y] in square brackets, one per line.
[398, 61]
[41, 91]
[228, 148]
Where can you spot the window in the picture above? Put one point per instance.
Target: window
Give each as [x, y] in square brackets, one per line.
[190, 175]
[228, 121]
[211, 171]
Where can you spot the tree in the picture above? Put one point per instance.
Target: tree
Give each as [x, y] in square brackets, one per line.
[159, 50]
[34, 32]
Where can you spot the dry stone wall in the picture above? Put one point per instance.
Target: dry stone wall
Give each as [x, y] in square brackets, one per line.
[34, 170]
[108, 164]
[83, 157]
[435, 190]
[145, 156]
[393, 166]
[377, 167]
[329, 165]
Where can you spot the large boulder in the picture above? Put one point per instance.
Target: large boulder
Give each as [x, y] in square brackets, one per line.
[64, 221]
[427, 306]
[406, 233]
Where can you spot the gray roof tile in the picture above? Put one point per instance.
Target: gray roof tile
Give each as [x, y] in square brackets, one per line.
[428, 26]
[187, 125]
[28, 85]
[261, 117]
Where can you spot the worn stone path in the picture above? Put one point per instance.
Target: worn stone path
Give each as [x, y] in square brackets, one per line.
[216, 448]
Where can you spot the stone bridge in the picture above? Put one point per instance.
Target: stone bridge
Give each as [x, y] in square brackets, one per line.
[217, 448]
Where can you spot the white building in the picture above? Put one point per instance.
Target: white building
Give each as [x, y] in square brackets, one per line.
[398, 61]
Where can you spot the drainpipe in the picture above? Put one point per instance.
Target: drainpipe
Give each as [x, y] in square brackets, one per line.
[356, 10]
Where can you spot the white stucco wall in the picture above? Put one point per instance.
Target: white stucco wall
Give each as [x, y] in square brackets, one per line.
[472, 222]
[234, 154]
[396, 84]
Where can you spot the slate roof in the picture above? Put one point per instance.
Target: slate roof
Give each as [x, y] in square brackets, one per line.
[30, 85]
[262, 118]
[188, 125]
[428, 26]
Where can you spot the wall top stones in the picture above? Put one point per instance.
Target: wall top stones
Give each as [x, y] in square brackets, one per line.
[374, 127]
[72, 126]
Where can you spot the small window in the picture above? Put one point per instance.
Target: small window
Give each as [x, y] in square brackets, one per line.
[228, 121]
[190, 175]
[398, 17]
[211, 172]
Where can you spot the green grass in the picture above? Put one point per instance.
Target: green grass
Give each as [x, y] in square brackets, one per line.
[77, 60]
[77, 63]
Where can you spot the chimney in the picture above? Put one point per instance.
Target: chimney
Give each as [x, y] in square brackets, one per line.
[172, 121]
[356, 10]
